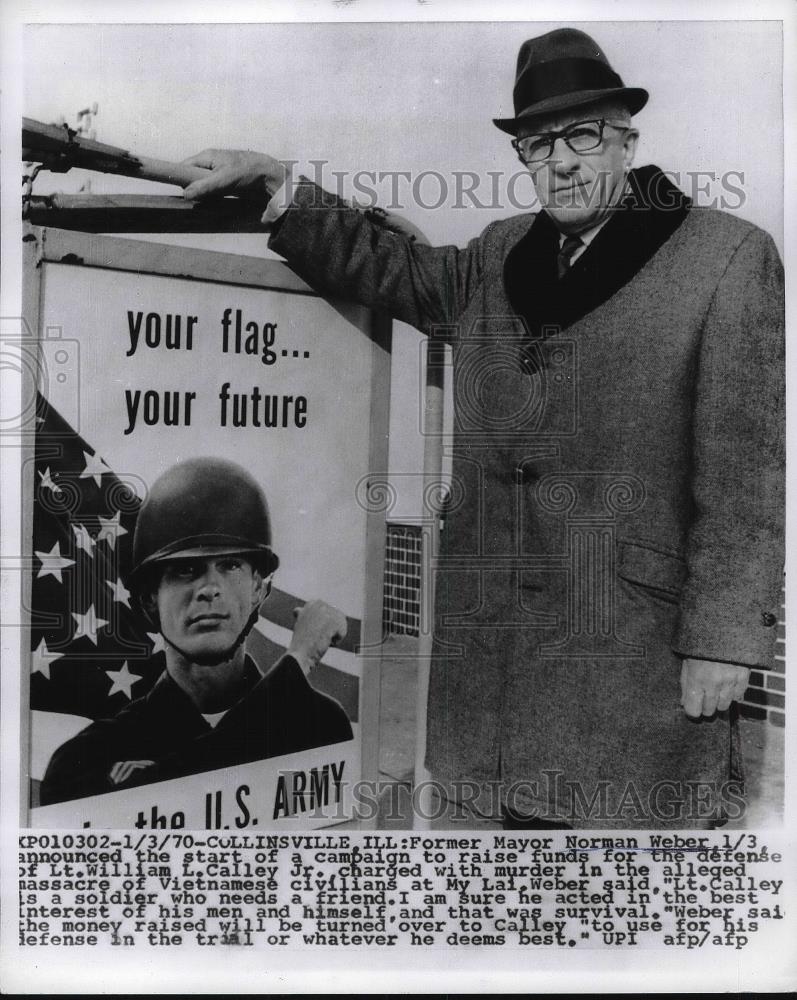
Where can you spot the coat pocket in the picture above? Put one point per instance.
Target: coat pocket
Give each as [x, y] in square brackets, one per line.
[660, 573]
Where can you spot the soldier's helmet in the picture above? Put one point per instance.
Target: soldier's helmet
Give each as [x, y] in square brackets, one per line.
[200, 508]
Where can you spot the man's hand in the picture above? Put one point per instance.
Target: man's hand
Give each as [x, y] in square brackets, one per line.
[708, 686]
[122, 769]
[318, 625]
[256, 176]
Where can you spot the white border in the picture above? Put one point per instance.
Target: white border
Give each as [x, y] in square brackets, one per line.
[355, 971]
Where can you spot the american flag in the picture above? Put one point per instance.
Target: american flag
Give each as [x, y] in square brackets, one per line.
[90, 655]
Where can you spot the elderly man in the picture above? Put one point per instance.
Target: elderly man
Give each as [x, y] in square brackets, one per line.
[203, 565]
[611, 567]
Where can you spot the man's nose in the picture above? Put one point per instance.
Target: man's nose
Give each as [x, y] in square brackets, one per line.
[563, 160]
[209, 584]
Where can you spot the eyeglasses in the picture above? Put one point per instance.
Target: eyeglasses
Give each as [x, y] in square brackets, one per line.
[581, 137]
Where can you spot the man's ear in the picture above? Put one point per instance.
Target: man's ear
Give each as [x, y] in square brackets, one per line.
[629, 147]
[149, 603]
[261, 587]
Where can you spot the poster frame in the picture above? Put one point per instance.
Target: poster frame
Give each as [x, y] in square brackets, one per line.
[43, 245]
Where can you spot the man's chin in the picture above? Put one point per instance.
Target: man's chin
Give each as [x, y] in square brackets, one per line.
[573, 219]
[209, 647]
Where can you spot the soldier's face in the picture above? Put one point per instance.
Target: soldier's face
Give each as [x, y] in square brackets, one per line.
[577, 190]
[204, 604]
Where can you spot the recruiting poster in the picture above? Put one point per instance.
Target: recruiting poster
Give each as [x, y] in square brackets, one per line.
[147, 365]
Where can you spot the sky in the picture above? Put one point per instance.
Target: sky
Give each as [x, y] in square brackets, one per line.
[409, 98]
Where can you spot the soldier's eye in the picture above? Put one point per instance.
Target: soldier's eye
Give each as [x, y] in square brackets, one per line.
[230, 564]
[184, 571]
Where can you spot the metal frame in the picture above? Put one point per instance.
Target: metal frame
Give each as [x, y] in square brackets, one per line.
[124, 213]
[31, 320]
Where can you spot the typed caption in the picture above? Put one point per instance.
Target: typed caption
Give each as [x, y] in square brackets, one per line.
[566, 891]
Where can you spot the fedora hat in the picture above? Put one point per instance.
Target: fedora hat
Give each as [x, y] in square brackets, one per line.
[560, 70]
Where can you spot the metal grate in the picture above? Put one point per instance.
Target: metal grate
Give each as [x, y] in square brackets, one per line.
[401, 606]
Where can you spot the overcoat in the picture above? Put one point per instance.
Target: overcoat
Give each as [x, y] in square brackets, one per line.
[617, 493]
[280, 713]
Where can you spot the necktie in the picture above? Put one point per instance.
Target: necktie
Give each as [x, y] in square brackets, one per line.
[566, 251]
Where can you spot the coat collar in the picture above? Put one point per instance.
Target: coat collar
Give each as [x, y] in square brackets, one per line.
[650, 212]
[167, 700]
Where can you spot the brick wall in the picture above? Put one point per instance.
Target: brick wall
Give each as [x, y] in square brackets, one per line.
[401, 605]
[765, 698]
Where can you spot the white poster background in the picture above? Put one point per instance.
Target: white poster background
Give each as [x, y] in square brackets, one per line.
[307, 472]
[381, 99]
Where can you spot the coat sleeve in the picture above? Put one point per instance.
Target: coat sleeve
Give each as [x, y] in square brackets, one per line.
[340, 252]
[729, 605]
[82, 765]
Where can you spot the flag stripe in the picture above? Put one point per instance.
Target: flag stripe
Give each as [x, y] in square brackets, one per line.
[334, 656]
[279, 608]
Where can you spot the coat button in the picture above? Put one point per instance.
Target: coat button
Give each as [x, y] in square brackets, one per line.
[768, 619]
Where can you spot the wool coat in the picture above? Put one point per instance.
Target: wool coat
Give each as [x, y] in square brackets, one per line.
[280, 713]
[617, 493]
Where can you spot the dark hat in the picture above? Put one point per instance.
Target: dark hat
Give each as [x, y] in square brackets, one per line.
[561, 70]
[202, 507]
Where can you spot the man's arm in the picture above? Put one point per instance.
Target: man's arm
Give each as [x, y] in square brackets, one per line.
[735, 545]
[82, 766]
[340, 252]
[318, 626]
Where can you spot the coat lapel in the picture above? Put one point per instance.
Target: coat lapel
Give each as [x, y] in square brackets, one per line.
[649, 214]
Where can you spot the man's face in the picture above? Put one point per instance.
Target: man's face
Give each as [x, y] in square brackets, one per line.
[205, 603]
[577, 190]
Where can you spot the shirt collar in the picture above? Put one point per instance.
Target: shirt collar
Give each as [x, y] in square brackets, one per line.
[589, 234]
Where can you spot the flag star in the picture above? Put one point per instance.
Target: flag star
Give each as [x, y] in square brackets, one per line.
[111, 529]
[53, 563]
[158, 645]
[47, 482]
[42, 658]
[88, 625]
[83, 539]
[120, 592]
[95, 468]
[122, 680]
